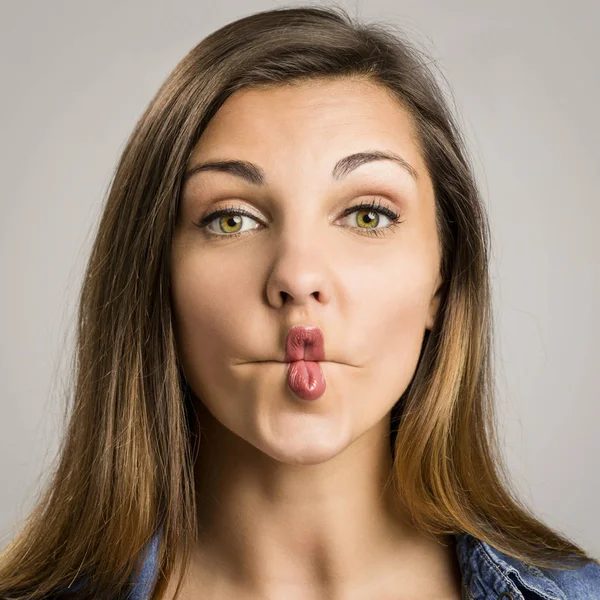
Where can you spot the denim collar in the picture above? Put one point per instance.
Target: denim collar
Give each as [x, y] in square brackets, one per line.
[487, 572]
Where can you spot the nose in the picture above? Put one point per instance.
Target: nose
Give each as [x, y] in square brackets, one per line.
[301, 275]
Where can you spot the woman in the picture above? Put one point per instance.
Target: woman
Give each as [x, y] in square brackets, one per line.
[283, 372]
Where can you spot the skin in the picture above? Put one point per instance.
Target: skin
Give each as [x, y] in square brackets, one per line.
[292, 501]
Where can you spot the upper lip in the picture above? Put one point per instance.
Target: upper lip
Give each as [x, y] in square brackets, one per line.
[304, 342]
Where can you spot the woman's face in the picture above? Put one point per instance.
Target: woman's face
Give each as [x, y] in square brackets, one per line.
[299, 261]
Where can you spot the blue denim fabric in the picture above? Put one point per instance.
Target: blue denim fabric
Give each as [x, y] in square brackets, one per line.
[145, 580]
[487, 574]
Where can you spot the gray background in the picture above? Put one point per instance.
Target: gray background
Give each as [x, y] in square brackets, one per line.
[524, 75]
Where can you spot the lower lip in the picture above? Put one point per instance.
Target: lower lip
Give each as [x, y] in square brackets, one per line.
[305, 378]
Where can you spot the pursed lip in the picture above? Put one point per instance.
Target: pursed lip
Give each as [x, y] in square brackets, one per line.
[304, 342]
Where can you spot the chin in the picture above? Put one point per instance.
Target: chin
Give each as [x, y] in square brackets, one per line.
[308, 441]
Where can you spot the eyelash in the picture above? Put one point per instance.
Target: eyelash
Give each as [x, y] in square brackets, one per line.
[374, 205]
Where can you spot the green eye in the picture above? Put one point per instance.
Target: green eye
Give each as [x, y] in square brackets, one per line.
[372, 218]
[229, 223]
[369, 214]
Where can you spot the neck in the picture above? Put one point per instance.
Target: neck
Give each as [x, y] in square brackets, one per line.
[334, 526]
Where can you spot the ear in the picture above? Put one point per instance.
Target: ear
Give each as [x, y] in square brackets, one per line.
[434, 306]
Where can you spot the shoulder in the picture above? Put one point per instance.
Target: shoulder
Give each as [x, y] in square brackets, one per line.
[581, 582]
[140, 586]
[487, 570]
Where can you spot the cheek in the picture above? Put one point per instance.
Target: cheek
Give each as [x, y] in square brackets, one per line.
[209, 322]
[391, 308]
[208, 291]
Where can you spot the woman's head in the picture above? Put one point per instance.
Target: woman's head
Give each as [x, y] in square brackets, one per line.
[367, 278]
[165, 309]
[293, 100]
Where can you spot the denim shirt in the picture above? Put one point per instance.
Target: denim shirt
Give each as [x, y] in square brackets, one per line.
[487, 574]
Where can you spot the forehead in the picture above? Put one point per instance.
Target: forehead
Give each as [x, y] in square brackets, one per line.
[313, 120]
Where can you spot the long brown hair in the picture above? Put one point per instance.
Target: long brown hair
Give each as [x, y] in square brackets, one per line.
[125, 468]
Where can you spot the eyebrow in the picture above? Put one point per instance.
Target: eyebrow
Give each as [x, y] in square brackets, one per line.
[256, 176]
